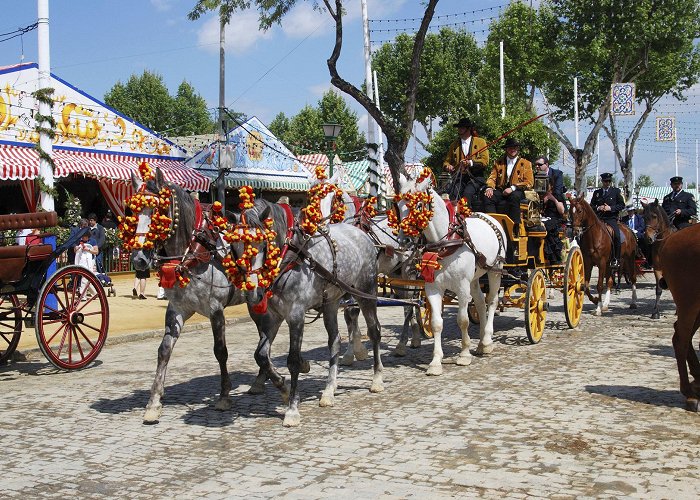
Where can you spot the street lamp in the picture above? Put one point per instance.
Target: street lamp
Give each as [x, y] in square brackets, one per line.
[637, 188]
[331, 131]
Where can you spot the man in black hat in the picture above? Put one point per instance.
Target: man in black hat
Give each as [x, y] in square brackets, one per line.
[505, 187]
[553, 208]
[467, 159]
[679, 205]
[607, 203]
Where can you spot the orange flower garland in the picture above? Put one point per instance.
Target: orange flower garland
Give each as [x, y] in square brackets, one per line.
[463, 208]
[160, 226]
[312, 212]
[419, 211]
[369, 207]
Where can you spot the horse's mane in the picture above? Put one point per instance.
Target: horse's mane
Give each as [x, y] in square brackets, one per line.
[656, 208]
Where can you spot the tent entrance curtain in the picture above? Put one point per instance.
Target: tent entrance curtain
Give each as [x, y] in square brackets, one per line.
[115, 193]
[30, 194]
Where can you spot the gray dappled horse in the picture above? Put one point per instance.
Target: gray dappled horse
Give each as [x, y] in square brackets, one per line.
[348, 256]
[208, 293]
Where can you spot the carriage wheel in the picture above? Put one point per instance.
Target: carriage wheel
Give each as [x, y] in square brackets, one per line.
[535, 306]
[573, 287]
[72, 318]
[422, 313]
[10, 326]
[473, 313]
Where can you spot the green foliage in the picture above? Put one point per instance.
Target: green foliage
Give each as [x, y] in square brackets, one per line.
[447, 85]
[303, 133]
[146, 99]
[645, 180]
[73, 209]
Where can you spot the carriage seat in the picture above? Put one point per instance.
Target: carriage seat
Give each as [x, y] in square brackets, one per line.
[14, 258]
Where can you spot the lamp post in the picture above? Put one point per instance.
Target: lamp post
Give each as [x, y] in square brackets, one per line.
[637, 188]
[331, 131]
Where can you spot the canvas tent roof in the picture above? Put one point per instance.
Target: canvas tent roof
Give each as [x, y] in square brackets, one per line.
[254, 157]
[91, 139]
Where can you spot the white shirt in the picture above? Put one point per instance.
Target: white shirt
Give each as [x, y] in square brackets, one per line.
[84, 257]
[466, 145]
[510, 165]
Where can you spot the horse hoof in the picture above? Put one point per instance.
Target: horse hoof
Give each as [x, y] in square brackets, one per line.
[484, 349]
[223, 404]
[152, 415]
[327, 400]
[692, 404]
[257, 389]
[361, 354]
[400, 350]
[347, 360]
[597, 312]
[434, 370]
[292, 418]
[377, 387]
[463, 360]
[305, 367]
[655, 316]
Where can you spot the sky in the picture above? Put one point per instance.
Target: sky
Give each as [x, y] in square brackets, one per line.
[96, 43]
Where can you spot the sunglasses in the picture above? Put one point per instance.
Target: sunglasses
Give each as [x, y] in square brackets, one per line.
[540, 164]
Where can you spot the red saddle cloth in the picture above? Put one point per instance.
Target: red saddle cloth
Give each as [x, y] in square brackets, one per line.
[428, 265]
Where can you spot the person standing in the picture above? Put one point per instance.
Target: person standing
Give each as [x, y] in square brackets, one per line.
[679, 205]
[510, 177]
[467, 159]
[97, 233]
[553, 208]
[607, 202]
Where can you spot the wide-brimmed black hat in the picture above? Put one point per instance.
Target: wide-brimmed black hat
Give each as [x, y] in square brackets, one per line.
[606, 176]
[676, 179]
[464, 123]
[511, 142]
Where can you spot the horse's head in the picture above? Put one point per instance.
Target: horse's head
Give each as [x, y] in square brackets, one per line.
[420, 210]
[655, 220]
[578, 214]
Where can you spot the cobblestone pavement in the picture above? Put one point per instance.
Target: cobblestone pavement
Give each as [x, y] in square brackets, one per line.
[589, 413]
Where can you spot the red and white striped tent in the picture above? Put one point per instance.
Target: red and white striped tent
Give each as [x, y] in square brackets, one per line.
[92, 140]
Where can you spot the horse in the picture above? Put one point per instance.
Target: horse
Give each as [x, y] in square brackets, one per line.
[392, 261]
[677, 258]
[208, 292]
[595, 240]
[319, 267]
[658, 228]
[481, 249]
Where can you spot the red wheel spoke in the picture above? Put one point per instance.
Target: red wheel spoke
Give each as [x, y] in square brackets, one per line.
[77, 342]
[49, 340]
[82, 334]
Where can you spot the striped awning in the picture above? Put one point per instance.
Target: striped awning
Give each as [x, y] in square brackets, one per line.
[20, 163]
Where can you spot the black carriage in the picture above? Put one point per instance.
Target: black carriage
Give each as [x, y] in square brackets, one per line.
[68, 309]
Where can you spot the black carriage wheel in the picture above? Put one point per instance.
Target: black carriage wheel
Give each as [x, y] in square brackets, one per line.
[10, 326]
[71, 318]
[472, 313]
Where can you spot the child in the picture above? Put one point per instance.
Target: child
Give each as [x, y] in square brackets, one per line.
[85, 252]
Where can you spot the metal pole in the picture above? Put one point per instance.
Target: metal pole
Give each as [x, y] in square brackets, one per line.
[675, 146]
[221, 181]
[597, 159]
[576, 110]
[503, 84]
[371, 153]
[697, 177]
[380, 139]
[45, 170]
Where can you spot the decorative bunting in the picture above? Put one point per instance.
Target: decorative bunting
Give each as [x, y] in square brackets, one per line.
[622, 99]
[665, 128]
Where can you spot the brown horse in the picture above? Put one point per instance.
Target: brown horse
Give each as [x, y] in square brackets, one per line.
[658, 228]
[678, 258]
[595, 239]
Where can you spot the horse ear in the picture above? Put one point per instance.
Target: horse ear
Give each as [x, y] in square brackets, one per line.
[580, 197]
[160, 178]
[135, 182]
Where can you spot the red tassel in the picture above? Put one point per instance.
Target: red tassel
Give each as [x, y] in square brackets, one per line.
[261, 307]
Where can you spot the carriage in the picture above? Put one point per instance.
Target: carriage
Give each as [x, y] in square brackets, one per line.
[526, 278]
[68, 309]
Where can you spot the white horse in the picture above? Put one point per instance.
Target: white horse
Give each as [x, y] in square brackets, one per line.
[460, 272]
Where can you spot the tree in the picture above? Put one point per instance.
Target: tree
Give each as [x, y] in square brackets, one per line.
[644, 181]
[303, 132]
[447, 87]
[397, 134]
[146, 99]
[604, 42]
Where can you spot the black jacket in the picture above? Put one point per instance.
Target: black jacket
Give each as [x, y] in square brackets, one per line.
[612, 197]
[684, 201]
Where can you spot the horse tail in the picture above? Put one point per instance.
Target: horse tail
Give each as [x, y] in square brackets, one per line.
[663, 284]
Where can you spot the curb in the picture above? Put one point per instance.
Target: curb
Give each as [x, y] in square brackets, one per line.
[35, 352]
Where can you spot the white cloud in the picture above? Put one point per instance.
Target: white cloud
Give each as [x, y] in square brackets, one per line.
[241, 33]
[304, 21]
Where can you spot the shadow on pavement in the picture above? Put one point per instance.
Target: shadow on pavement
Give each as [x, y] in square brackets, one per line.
[639, 394]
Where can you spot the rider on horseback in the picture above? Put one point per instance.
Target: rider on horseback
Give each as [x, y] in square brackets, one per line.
[607, 203]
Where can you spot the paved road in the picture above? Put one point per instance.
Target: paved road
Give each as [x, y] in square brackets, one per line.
[590, 413]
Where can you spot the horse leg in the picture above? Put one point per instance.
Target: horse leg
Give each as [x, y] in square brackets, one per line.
[587, 284]
[294, 362]
[258, 385]
[356, 349]
[486, 327]
[409, 324]
[681, 345]
[434, 299]
[267, 329]
[330, 321]
[658, 290]
[463, 299]
[608, 288]
[173, 326]
[369, 312]
[632, 273]
[218, 328]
